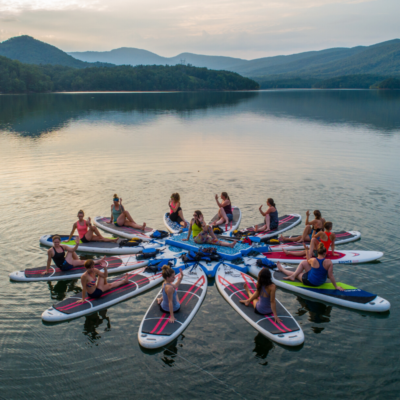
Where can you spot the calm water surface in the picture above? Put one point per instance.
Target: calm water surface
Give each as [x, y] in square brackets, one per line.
[337, 151]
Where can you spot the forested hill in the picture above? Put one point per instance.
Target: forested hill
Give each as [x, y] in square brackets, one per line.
[16, 77]
[31, 51]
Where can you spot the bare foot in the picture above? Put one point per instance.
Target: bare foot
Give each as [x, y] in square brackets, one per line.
[246, 286]
[285, 251]
[289, 278]
[101, 262]
[126, 278]
[233, 244]
[144, 226]
[279, 266]
[159, 300]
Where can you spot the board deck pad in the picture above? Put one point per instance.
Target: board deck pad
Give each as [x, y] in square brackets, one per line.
[351, 293]
[113, 262]
[173, 227]
[136, 280]
[94, 245]
[232, 224]
[284, 222]
[156, 322]
[104, 222]
[283, 256]
[237, 292]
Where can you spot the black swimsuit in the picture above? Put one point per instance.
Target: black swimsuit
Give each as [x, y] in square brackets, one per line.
[58, 258]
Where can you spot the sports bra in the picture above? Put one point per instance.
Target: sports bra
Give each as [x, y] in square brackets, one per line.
[82, 230]
[328, 242]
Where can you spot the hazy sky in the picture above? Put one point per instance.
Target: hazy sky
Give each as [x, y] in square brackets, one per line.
[246, 29]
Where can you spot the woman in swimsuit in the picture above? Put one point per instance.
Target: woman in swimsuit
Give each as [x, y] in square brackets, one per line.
[87, 232]
[94, 287]
[62, 261]
[316, 225]
[313, 272]
[271, 217]
[203, 233]
[327, 238]
[263, 299]
[176, 214]
[169, 302]
[120, 217]
[225, 212]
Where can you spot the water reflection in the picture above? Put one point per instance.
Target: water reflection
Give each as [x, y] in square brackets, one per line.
[60, 290]
[92, 322]
[262, 347]
[319, 313]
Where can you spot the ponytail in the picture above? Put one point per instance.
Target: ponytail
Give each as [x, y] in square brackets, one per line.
[167, 271]
[321, 250]
[225, 195]
[271, 201]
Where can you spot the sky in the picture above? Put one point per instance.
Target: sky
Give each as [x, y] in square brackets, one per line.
[245, 29]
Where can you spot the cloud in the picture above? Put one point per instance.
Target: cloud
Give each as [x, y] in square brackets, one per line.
[16, 6]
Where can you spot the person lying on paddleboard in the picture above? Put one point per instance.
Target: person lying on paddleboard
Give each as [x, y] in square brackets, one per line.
[169, 302]
[203, 233]
[316, 225]
[225, 212]
[176, 213]
[271, 217]
[263, 299]
[327, 238]
[121, 217]
[87, 232]
[62, 261]
[95, 287]
[313, 272]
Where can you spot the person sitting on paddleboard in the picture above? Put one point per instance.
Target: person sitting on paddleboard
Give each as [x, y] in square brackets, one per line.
[87, 232]
[203, 233]
[94, 287]
[62, 261]
[225, 212]
[169, 302]
[313, 272]
[271, 217]
[314, 226]
[263, 299]
[121, 217]
[326, 237]
[176, 214]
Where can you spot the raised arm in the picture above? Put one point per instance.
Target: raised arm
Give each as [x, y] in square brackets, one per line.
[72, 232]
[261, 211]
[72, 249]
[308, 216]
[216, 199]
[178, 282]
[273, 303]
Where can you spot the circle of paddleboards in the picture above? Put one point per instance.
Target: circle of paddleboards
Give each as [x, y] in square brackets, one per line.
[230, 283]
[340, 257]
[120, 247]
[172, 226]
[155, 330]
[351, 297]
[123, 231]
[115, 265]
[286, 222]
[139, 280]
[341, 238]
[232, 225]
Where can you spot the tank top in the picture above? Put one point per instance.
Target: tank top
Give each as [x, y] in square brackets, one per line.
[174, 205]
[165, 304]
[196, 230]
[116, 213]
[317, 276]
[228, 209]
[82, 230]
[264, 303]
[58, 258]
[273, 219]
[327, 243]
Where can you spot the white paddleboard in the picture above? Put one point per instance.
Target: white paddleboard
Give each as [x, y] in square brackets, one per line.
[155, 330]
[173, 227]
[230, 283]
[351, 297]
[123, 231]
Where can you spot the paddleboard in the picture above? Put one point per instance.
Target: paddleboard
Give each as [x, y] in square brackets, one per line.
[124, 231]
[341, 238]
[286, 222]
[230, 283]
[351, 297]
[233, 225]
[103, 247]
[139, 280]
[115, 265]
[155, 330]
[342, 257]
[173, 227]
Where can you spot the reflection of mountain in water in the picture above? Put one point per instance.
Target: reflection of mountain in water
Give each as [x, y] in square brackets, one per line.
[33, 115]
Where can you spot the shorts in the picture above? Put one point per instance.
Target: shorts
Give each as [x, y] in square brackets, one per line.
[119, 226]
[305, 280]
[84, 240]
[66, 266]
[164, 311]
[96, 294]
[312, 231]
[230, 217]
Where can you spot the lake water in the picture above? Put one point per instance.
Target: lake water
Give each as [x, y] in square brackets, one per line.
[337, 151]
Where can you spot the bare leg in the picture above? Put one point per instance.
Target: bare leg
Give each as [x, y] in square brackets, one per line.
[104, 286]
[223, 218]
[183, 222]
[298, 253]
[306, 234]
[292, 239]
[264, 228]
[75, 256]
[101, 262]
[246, 287]
[70, 260]
[303, 266]
[210, 240]
[130, 222]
